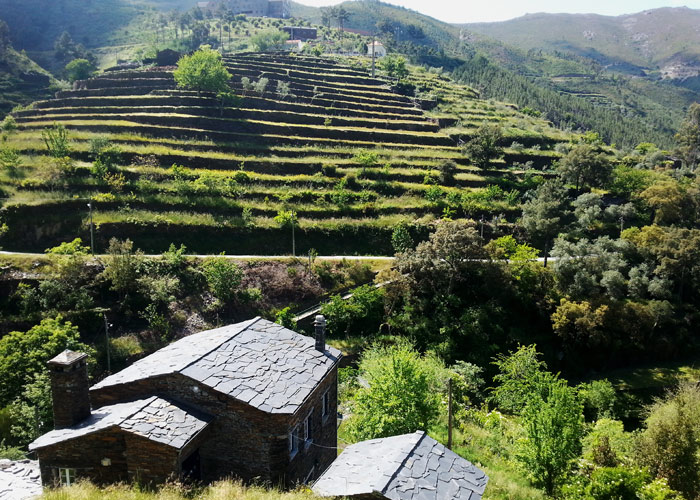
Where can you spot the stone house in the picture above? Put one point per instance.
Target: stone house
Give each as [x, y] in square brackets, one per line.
[251, 400]
[407, 467]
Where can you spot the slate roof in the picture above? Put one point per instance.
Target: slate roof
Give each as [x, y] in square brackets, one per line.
[19, 480]
[154, 418]
[407, 467]
[258, 362]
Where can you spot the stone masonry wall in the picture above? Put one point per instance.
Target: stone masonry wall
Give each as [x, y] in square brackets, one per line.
[242, 441]
[85, 455]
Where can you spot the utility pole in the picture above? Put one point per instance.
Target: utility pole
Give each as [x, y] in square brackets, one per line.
[374, 43]
[92, 233]
[294, 251]
[109, 364]
[482, 227]
[449, 414]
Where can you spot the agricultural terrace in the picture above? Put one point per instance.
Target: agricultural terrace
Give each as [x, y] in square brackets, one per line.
[350, 156]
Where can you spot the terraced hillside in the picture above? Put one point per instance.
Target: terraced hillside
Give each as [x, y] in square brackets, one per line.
[343, 151]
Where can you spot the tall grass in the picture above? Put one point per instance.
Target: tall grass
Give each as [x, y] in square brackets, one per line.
[223, 490]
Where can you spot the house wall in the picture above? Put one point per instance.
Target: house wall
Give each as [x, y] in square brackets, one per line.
[149, 462]
[241, 440]
[85, 454]
[317, 456]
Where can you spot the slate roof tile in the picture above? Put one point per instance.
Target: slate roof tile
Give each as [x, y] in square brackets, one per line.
[408, 467]
[154, 418]
[257, 362]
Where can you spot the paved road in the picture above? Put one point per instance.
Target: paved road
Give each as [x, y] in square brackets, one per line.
[238, 257]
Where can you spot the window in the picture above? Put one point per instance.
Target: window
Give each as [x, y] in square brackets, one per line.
[307, 430]
[66, 476]
[294, 441]
[325, 409]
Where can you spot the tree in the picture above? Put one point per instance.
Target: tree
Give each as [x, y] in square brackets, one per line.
[401, 239]
[56, 140]
[553, 421]
[359, 315]
[670, 443]
[544, 216]
[5, 41]
[326, 16]
[202, 71]
[401, 396]
[288, 218]
[270, 39]
[517, 375]
[688, 137]
[343, 16]
[223, 277]
[79, 69]
[123, 265]
[484, 145]
[585, 166]
[394, 65]
[23, 355]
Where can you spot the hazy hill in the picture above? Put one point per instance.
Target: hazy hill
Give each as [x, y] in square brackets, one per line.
[666, 39]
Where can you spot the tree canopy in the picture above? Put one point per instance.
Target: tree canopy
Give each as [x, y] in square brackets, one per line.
[202, 71]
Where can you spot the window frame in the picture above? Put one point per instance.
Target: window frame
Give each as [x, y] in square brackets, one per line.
[326, 404]
[308, 439]
[293, 441]
[66, 476]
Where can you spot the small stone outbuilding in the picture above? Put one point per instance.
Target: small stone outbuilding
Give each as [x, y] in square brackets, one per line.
[407, 467]
[251, 400]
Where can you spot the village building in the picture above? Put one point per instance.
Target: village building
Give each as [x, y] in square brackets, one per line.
[407, 467]
[259, 8]
[251, 400]
[379, 49]
[301, 33]
[294, 45]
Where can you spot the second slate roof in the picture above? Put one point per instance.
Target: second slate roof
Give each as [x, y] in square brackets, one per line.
[407, 467]
[257, 362]
[153, 418]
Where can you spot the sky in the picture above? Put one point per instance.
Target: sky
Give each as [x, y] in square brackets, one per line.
[472, 11]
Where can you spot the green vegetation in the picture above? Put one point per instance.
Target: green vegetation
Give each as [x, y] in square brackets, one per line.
[202, 71]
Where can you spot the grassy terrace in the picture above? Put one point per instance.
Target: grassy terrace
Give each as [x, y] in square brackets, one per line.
[350, 157]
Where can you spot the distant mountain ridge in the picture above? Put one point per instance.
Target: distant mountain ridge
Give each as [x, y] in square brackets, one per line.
[662, 42]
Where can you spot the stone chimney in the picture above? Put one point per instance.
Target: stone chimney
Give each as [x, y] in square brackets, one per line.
[320, 325]
[69, 388]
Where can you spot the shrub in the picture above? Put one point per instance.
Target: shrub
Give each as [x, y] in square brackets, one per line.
[366, 159]
[74, 247]
[56, 140]
[10, 161]
[285, 317]
[8, 124]
[401, 239]
[447, 170]
[269, 39]
[360, 315]
[223, 277]
[260, 86]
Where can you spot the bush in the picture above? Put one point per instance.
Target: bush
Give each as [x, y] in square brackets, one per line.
[56, 140]
[617, 483]
[74, 247]
[360, 315]
[223, 277]
[401, 239]
[270, 39]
